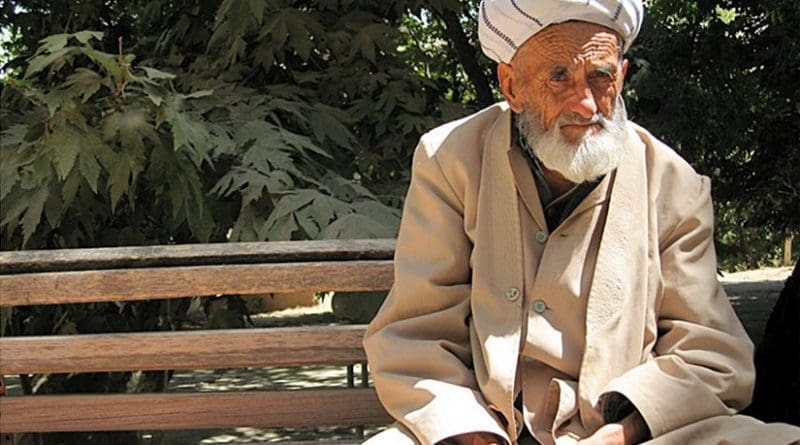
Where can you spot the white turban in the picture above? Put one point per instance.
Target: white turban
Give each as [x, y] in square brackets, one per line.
[504, 25]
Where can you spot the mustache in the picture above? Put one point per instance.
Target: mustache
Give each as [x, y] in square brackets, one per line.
[604, 121]
[574, 118]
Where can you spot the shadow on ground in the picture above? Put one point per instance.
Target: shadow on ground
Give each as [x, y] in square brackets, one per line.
[753, 300]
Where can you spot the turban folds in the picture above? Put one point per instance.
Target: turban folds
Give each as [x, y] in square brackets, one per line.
[504, 25]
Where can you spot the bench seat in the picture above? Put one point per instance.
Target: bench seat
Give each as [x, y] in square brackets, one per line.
[165, 272]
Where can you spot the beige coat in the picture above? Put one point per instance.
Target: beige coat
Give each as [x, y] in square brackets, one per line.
[444, 348]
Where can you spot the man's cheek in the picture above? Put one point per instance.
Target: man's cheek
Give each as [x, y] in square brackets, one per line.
[549, 111]
[608, 102]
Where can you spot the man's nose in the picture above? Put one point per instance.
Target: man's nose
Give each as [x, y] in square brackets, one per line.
[584, 103]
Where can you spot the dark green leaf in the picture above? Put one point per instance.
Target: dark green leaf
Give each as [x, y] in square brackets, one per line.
[38, 63]
[121, 177]
[33, 212]
[155, 74]
[83, 82]
[65, 144]
[53, 43]
[85, 36]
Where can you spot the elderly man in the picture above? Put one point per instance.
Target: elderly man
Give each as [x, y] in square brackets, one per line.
[555, 274]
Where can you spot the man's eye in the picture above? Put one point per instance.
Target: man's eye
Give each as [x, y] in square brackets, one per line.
[602, 74]
[559, 75]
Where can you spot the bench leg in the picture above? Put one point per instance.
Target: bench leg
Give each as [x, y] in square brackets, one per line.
[5, 438]
[351, 379]
[364, 384]
[364, 376]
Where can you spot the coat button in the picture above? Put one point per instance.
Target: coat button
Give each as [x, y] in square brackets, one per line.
[541, 236]
[539, 306]
[512, 294]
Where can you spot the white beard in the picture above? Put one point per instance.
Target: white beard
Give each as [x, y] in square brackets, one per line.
[588, 159]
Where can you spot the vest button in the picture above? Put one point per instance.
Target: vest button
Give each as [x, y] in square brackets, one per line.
[541, 236]
[512, 294]
[539, 306]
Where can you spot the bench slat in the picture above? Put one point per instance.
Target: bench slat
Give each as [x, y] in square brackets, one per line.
[194, 255]
[225, 348]
[122, 412]
[174, 282]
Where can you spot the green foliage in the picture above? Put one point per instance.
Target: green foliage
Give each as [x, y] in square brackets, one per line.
[188, 121]
[201, 121]
[718, 81]
[82, 146]
[122, 136]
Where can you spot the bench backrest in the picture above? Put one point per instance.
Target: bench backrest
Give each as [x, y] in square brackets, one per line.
[141, 273]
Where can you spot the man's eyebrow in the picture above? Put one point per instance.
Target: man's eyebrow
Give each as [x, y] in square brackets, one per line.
[606, 67]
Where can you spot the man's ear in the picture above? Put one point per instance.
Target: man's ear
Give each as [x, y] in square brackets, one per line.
[624, 69]
[506, 78]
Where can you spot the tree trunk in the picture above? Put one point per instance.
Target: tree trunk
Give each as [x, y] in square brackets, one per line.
[787, 251]
[466, 55]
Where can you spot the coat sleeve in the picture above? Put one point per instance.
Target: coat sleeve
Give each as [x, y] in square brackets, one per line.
[702, 361]
[418, 345]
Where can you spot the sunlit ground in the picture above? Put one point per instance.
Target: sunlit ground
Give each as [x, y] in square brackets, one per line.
[753, 293]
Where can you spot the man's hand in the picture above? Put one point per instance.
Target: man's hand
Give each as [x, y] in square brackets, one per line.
[608, 434]
[628, 431]
[479, 438]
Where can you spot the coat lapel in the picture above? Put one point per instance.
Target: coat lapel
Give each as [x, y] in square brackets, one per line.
[498, 274]
[619, 281]
[499, 208]
[523, 178]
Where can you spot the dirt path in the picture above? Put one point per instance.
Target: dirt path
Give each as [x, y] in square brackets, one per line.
[753, 293]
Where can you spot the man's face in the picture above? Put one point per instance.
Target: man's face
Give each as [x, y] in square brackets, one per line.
[566, 74]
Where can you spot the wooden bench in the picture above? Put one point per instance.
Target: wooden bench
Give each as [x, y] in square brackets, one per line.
[161, 272]
[142, 273]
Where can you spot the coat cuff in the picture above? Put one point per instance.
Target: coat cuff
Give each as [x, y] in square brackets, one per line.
[666, 394]
[456, 413]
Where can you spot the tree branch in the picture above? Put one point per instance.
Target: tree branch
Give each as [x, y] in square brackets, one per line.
[466, 55]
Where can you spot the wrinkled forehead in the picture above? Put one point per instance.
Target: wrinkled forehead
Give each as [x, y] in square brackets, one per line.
[571, 42]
